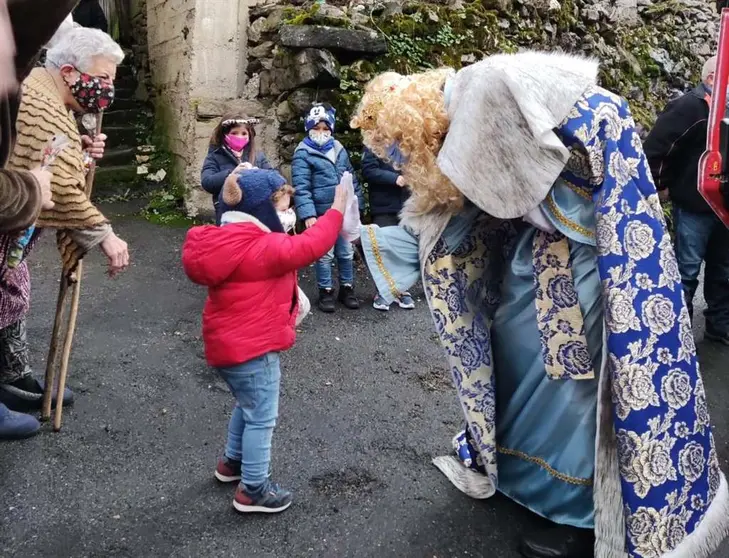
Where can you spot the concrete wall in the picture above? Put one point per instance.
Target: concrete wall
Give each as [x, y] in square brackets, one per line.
[197, 54]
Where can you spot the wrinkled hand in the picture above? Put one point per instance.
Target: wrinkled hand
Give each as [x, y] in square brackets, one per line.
[401, 181]
[341, 198]
[310, 222]
[242, 167]
[116, 250]
[96, 146]
[44, 179]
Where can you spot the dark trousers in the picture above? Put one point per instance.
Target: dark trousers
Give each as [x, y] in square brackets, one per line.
[703, 237]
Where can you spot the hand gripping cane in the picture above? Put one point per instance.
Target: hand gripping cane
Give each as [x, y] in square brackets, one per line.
[93, 126]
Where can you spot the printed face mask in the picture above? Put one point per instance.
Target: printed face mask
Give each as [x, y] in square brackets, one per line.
[319, 137]
[236, 143]
[91, 93]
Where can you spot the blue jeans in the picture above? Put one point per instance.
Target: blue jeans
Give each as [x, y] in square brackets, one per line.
[344, 252]
[703, 237]
[255, 385]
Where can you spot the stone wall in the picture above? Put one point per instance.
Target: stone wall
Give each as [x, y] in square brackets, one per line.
[272, 61]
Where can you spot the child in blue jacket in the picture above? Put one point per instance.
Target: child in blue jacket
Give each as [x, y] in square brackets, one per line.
[316, 170]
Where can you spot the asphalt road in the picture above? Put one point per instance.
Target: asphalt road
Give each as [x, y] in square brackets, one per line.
[366, 403]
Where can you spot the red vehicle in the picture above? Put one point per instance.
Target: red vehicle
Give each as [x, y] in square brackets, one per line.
[713, 179]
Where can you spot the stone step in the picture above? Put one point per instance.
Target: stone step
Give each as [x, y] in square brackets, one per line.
[114, 117]
[125, 82]
[118, 136]
[121, 155]
[124, 93]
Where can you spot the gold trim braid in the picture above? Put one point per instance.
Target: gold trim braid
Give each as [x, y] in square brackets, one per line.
[544, 465]
[567, 222]
[380, 264]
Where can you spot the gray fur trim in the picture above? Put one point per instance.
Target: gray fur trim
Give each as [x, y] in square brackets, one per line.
[501, 151]
[607, 490]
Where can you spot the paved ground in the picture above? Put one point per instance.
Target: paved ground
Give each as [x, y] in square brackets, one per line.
[365, 406]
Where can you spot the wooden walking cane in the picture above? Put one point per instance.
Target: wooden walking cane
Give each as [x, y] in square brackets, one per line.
[94, 128]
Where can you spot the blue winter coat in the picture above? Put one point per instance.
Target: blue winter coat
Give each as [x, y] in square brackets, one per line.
[219, 163]
[386, 197]
[315, 178]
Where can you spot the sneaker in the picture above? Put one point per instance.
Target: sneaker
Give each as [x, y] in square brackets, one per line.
[26, 394]
[380, 304]
[717, 337]
[17, 426]
[406, 302]
[326, 301]
[348, 298]
[270, 499]
[228, 470]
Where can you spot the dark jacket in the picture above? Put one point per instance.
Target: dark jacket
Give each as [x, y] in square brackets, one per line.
[386, 197]
[89, 13]
[315, 178]
[674, 147]
[219, 163]
[34, 22]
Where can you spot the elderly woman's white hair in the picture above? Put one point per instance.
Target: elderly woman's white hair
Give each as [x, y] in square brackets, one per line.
[79, 45]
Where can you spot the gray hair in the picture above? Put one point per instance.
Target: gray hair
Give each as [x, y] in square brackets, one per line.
[709, 68]
[79, 45]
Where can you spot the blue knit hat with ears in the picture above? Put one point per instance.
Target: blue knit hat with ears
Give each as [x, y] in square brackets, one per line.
[257, 186]
[321, 112]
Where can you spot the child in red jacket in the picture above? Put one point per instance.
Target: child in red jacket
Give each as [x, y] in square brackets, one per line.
[249, 318]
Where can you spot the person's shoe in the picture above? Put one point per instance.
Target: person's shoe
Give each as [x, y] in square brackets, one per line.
[348, 298]
[16, 426]
[406, 302]
[271, 498]
[26, 394]
[717, 337]
[380, 304]
[326, 301]
[561, 541]
[227, 470]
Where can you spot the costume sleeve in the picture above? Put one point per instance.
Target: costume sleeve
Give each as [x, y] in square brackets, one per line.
[34, 23]
[20, 200]
[212, 178]
[375, 171]
[670, 135]
[282, 253]
[303, 195]
[357, 185]
[87, 239]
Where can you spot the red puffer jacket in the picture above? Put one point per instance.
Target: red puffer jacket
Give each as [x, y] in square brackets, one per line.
[251, 278]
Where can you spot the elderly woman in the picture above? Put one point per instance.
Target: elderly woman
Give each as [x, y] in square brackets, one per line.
[78, 78]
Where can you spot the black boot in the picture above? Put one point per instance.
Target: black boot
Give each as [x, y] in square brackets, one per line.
[326, 300]
[561, 541]
[348, 298]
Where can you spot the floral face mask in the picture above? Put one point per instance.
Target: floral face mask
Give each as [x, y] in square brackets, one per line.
[91, 93]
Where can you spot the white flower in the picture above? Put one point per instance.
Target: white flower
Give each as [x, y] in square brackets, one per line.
[669, 535]
[701, 410]
[665, 356]
[670, 274]
[686, 336]
[697, 502]
[642, 525]
[681, 430]
[691, 461]
[658, 314]
[676, 388]
[644, 281]
[622, 169]
[607, 116]
[596, 155]
[653, 466]
[607, 238]
[714, 471]
[621, 315]
[635, 142]
[579, 163]
[639, 241]
[633, 388]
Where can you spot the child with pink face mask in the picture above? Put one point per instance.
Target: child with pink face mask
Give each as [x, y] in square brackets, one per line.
[232, 149]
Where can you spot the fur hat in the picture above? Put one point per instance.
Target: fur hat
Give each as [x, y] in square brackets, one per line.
[253, 196]
[321, 112]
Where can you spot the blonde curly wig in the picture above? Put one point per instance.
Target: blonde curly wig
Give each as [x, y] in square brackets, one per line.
[409, 111]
